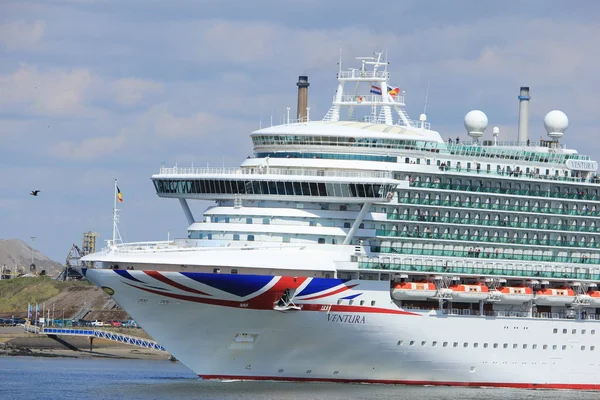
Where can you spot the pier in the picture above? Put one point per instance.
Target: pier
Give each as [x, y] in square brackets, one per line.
[95, 333]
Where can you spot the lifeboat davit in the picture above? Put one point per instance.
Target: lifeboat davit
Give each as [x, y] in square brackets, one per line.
[469, 293]
[554, 297]
[414, 291]
[512, 294]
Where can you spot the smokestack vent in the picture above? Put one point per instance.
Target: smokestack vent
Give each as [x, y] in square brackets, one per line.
[524, 114]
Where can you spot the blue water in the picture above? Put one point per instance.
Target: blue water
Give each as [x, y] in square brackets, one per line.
[67, 378]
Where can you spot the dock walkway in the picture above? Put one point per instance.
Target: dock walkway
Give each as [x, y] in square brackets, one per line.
[96, 333]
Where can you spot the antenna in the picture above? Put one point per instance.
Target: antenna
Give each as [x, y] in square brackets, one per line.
[340, 62]
[426, 97]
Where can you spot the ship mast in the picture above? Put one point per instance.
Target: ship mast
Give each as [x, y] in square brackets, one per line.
[116, 235]
[372, 77]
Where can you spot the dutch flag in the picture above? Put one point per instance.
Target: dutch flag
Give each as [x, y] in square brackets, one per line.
[375, 90]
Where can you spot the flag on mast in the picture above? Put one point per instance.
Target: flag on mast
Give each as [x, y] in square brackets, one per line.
[119, 195]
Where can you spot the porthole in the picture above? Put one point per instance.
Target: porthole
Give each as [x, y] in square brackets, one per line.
[308, 371]
[336, 372]
[423, 343]
[280, 370]
[554, 330]
[411, 343]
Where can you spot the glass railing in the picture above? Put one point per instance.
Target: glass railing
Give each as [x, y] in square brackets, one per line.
[514, 174]
[537, 272]
[519, 192]
[496, 222]
[588, 212]
[420, 234]
[498, 255]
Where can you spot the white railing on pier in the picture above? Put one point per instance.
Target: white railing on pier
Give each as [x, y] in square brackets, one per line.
[264, 170]
[101, 334]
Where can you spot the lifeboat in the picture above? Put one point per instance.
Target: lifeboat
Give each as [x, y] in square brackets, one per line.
[593, 297]
[512, 294]
[554, 297]
[469, 293]
[414, 291]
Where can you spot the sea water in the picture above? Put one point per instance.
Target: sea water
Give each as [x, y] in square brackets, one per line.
[71, 378]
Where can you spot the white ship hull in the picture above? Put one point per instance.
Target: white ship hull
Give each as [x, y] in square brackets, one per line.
[221, 332]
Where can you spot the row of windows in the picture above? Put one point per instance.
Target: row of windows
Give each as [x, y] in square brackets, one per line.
[296, 140]
[319, 189]
[458, 149]
[328, 156]
[574, 331]
[494, 345]
[249, 237]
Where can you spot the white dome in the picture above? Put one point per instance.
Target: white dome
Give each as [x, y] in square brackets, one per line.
[556, 122]
[476, 122]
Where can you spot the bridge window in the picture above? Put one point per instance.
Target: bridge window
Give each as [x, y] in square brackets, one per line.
[321, 240]
[236, 236]
[251, 238]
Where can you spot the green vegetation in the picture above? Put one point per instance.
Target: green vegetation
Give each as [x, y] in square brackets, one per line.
[16, 293]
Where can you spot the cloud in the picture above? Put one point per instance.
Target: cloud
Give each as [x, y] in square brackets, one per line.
[22, 35]
[88, 149]
[55, 92]
[129, 91]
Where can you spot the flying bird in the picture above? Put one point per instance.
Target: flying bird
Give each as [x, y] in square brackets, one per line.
[34, 192]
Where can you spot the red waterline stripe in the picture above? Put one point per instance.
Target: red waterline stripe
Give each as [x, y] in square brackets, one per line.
[570, 386]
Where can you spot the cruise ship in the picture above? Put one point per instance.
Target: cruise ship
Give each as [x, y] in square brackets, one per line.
[367, 247]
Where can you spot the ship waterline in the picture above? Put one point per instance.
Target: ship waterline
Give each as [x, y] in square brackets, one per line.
[366, 248]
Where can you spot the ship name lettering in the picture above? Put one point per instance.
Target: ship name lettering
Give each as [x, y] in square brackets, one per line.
[347, 319]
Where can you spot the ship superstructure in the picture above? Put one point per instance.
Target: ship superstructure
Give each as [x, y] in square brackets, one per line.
[365, 247]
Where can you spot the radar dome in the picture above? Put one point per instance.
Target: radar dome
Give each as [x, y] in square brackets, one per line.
[476, 122]
[556, 122]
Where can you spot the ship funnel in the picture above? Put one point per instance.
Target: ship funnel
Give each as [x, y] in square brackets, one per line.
[524, 114]
[302, 98]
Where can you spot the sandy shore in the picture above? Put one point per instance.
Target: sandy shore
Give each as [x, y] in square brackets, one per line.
[15, 342]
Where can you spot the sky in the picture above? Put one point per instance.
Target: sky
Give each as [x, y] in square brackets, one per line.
[97, 90]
